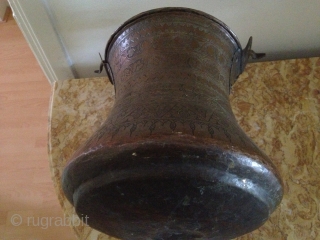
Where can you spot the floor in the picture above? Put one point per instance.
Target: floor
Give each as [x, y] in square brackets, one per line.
[29, 208]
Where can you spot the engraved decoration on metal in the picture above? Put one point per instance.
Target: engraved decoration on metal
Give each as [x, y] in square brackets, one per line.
[170, 161]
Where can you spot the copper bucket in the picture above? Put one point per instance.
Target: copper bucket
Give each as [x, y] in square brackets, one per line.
[170, 161]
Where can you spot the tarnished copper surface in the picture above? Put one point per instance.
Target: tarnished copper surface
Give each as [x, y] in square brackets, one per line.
[170, 161]
[80, 106]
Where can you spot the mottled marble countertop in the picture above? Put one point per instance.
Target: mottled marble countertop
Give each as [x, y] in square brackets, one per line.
[277, 105]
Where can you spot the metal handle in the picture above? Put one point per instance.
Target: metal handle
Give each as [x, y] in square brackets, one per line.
[247, 53]
[240, 60]
[106, 65]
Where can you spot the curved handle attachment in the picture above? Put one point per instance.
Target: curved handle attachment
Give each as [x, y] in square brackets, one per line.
[247, 53]
[106, 65]
[240, 60]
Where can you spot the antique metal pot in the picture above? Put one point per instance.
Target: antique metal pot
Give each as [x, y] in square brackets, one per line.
[170, 161]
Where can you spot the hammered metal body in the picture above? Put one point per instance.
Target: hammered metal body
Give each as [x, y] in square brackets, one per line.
[171, 162]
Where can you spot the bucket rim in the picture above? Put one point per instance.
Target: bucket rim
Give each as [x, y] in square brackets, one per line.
[113, 37]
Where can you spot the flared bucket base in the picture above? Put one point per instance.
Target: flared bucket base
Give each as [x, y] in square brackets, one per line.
[158, 190]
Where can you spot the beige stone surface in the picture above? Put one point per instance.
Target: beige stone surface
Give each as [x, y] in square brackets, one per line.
[78, 107]
[276, 103]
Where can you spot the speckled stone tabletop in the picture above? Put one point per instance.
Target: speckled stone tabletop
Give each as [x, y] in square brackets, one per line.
[276, 103]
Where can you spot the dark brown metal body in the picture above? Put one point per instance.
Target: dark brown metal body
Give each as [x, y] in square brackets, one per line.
[171, 162]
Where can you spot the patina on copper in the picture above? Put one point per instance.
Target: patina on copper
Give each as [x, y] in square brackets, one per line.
[171, 162]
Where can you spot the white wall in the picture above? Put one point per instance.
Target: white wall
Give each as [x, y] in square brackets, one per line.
[3, 6]
[33, 20]
[283, 29]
